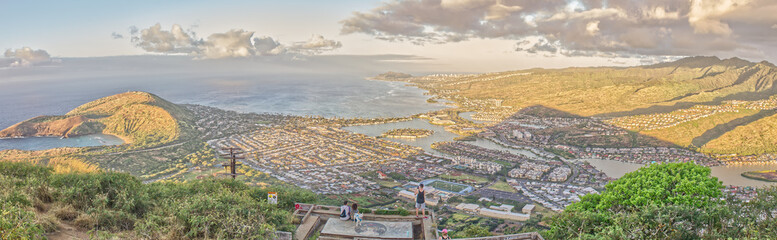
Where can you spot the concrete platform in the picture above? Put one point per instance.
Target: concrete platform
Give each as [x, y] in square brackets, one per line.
[368, 229]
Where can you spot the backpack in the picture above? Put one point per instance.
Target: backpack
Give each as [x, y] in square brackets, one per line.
[343, 212]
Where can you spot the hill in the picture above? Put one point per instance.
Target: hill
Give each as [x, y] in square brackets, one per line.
[39, 204]
[689, 102]
[136, 117]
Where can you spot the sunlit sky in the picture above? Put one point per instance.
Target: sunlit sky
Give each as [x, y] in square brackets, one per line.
[462, 35]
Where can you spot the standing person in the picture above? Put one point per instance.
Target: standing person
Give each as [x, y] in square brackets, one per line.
[420, 200]
[345, 211]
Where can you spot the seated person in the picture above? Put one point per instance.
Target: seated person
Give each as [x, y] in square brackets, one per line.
[345, 211]
[357, 217]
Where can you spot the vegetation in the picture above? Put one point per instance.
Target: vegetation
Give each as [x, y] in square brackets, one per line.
[464, 177]
[692, 102]
[472, 231]
[398, 211]
[118, 204]
[408, 133]
[137, 117]
[502, 186]
[766, 175]
[666, 201]
[685, 133]
[447, 186]
[758, 137]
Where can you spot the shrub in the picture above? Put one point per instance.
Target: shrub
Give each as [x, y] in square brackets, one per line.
[65, 212]
[85, 221]
[18, 223]
[24, 170]
[117, 191]
[398, 211]
[47, 222]
[113, 220]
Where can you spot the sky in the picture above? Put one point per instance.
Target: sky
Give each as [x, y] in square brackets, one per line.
[445, 35]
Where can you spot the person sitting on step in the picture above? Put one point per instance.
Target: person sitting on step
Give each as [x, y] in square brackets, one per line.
[357, 216]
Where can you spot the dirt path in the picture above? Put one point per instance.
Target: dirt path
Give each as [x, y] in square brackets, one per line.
[67, 232]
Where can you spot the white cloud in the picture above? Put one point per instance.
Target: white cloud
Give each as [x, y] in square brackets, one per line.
[26, 56]
[230, 44]
[592, 27]
[154, 39]
[582, 27]
[315, 45]
[234, 43]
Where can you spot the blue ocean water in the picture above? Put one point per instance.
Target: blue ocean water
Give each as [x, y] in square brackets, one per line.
[40, 143]
[329, 88]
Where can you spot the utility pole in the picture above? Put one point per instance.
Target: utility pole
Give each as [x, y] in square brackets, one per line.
[232, 156]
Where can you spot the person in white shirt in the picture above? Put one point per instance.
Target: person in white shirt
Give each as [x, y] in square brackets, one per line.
[345, 211]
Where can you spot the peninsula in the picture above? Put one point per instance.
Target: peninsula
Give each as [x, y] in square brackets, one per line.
[409, 133]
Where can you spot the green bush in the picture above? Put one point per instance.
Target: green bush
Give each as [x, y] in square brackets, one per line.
[666, 201]
[102, 190]
[108, 203]
[18, 223]
[398, 211]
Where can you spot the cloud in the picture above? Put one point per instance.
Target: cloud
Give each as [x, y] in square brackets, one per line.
[230, 44]
[115, 35]
[233, 43]
[268, 46]
[315, 45]
[580, 27]
[26, 56]
[154, 39]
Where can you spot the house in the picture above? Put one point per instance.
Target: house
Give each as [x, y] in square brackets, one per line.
[528, 208]
[468, 207]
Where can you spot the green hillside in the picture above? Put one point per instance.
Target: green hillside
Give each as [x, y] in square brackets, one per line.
[689, 102]
[624, 91]
[755, 138]
[38, 204]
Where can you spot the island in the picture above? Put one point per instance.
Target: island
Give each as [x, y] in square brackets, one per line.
[410, 133]
[765, 175]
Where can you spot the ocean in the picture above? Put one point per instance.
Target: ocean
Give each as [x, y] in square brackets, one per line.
[330, 89]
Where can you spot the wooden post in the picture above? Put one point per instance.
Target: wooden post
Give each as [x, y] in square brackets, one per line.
[232, 156]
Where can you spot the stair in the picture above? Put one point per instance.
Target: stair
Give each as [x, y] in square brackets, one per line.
[305, 229]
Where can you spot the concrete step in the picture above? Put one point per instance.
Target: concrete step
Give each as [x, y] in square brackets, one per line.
[305, 229]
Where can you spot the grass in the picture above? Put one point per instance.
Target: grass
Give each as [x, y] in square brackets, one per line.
[388, 184]
[464, 176]
[502, 186]
[683, 134]
[116, 204]
[758, 137]
[447, 186]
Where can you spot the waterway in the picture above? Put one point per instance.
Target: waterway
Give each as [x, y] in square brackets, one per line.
[40, 143]
[439, 135]
[468, 116]
[729, 175]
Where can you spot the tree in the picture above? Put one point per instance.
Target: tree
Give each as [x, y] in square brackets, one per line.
[472, 231]
[661, 201]
[658, 184]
